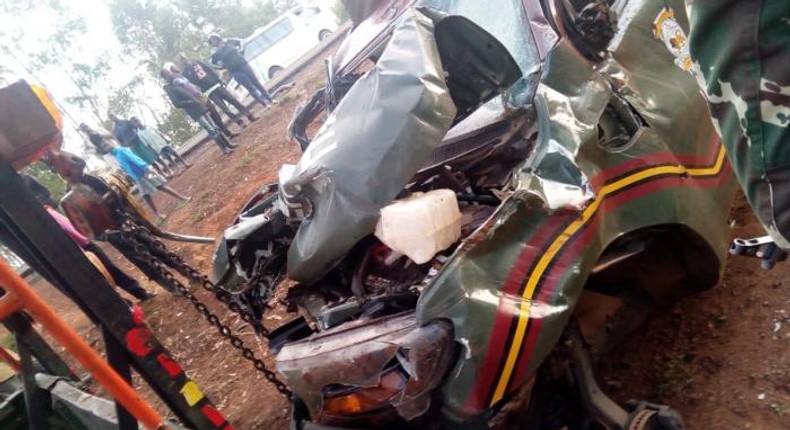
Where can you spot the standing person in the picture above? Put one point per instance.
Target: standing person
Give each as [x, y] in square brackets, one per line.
[181, 81]
[125, 131]
[195, 106]
[741, 55]
[205, 78]
[147, 180]
[122, 280]
[228, 55]
[71, 168]
[156, 141]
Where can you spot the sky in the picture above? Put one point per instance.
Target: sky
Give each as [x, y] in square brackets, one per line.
[98, 39]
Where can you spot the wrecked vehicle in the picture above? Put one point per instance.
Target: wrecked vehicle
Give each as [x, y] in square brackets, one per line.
[510, 191]
[373, 24]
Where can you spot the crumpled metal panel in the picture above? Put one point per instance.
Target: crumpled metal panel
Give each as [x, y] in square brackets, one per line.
[543, 32]
[512, 285]
[370, 146]
[568, 106]
[255, 221]
[556, 179]
[356, 354]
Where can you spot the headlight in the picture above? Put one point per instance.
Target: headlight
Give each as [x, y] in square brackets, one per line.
[372, 372]
[343, 400]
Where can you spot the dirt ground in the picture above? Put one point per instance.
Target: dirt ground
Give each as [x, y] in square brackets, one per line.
[721, 358]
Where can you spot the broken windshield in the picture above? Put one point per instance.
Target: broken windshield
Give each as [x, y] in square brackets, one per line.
[512, 29]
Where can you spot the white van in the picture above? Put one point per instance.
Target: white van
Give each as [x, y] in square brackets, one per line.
[276, 46]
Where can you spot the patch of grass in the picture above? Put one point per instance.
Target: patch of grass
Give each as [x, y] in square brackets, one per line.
[676, 376]
[779, 409]
[245, 160]
[286, 98]
[198, 216]
[7, 341]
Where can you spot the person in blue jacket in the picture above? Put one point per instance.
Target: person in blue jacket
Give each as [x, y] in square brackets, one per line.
[147, 180]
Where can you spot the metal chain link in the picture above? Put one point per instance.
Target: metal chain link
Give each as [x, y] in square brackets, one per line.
[182, 267]
[130, 231]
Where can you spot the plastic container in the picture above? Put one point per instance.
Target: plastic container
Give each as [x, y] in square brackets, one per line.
[421, 225]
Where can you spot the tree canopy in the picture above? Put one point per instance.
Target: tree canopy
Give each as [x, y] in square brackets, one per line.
[154, 32]
[150, 33]
[160, 30]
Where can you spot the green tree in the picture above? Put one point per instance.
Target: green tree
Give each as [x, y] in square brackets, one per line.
[157, 31]
[53, 51]
[42, 173]
[340, 12]
[177, 126]
[87, 78]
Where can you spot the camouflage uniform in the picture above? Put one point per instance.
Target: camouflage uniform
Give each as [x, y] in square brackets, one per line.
[741, 53]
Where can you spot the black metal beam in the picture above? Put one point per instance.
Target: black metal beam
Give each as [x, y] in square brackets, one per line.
[38, 404]
[118, 358]
[26, 335]
[56, 257]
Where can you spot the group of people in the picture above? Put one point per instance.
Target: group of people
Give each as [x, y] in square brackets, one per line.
[135, 157]
[146, 155]
[119, 277]
[196, 87]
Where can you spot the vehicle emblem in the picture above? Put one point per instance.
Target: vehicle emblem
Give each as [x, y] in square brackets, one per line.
[667, 29]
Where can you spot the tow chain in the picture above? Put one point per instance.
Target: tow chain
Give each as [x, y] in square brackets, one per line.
[131, 231]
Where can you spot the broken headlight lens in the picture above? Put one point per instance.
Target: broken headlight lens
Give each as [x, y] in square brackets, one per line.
[378, 371]
[345, 400]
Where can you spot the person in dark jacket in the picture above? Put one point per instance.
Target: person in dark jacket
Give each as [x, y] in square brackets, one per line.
[125, 131]
[192, 101]
[228, 54]
[206, 78]
[192, 89]
[148, 181]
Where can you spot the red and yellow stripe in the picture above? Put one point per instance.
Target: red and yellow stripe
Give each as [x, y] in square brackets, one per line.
[537, 272]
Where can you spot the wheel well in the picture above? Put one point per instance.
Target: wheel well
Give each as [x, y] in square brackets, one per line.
[272, 70]
[655, 266]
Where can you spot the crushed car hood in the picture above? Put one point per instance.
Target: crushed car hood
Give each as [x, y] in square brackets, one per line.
[384, 131]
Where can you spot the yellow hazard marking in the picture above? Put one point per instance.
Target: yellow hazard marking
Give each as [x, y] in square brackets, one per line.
[191, 393]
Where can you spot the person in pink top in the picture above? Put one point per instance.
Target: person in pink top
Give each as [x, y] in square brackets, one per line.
[122, 280]
[68, 227]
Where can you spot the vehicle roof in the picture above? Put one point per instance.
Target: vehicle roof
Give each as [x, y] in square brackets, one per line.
[274, 22]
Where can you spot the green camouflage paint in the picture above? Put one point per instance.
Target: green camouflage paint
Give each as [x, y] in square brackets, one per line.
[741, 52]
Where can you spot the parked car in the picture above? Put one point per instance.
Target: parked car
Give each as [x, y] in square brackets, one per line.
[276, 46]
[510, 191]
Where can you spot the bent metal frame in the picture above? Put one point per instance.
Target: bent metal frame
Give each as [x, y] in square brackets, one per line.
[33, 235]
